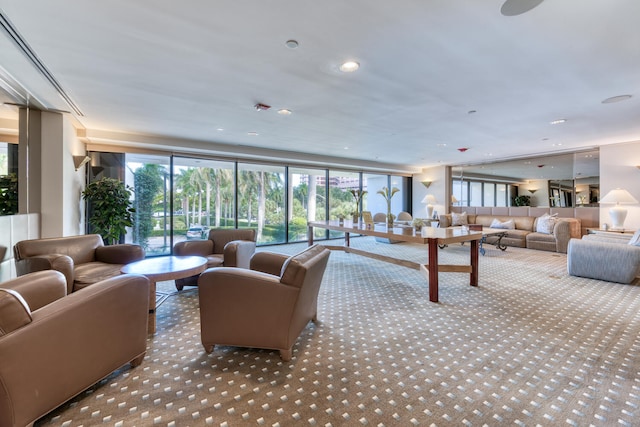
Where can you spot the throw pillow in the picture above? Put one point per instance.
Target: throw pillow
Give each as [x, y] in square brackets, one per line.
[507, 225]
[546, 223]
[459, 219]
[635, 240]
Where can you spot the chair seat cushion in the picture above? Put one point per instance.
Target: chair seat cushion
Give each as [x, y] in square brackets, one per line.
[215, 260]
[93, 272]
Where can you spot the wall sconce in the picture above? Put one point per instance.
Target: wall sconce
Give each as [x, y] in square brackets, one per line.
[80, 161]
[532, 190]
[427, 184]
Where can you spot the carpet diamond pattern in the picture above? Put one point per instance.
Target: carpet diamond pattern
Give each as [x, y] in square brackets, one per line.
[530, 346]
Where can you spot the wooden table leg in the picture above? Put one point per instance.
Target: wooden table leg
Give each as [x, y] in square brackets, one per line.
[347, 239]
[310, 235]
[433, 270]
[474, 263]
[151, 328]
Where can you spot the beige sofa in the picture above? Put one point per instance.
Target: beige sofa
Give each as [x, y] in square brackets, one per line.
[54, 346]
[83, 259]
[525, 235]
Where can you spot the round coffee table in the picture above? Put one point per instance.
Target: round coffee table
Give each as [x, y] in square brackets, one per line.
[163, 268]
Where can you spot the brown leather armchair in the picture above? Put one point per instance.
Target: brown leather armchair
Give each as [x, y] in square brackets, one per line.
[228, 247]
[267, 306]
[54, 346]
[83, 260]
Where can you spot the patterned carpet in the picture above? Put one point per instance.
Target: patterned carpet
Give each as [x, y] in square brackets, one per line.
[529, 346]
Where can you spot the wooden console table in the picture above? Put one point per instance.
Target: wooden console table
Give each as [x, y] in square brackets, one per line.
[432, 237]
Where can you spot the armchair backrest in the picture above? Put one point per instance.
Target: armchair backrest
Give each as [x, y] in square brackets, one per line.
[221, 236]
[305, 271]
[306, 267]
[81, 249]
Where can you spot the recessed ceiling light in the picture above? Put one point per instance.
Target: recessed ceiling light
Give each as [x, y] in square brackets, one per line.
[349, 66]
[518, 7]
[558, 121]
[291, 44]
[616, 99]
[252, 133]
[346, 148]
[220, 129]
[284, 112]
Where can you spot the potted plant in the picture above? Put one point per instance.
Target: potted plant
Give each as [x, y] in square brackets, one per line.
[9, 194]
[111, 208]
[522, 201]
[388, 195]
[417, 223]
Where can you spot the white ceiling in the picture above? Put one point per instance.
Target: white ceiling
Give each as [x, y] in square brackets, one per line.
[182, 70]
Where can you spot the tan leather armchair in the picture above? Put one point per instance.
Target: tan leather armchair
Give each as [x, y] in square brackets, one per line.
[265, 307]
[54, 346]
[228, 247]
[83, 260]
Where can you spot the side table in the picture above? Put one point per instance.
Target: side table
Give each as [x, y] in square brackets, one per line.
[163, 268]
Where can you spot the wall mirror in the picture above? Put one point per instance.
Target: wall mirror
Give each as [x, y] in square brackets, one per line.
[561, 180]
[8, 155]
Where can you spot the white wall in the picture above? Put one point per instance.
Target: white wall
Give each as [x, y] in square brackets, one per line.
[439, 189]
[618, 169]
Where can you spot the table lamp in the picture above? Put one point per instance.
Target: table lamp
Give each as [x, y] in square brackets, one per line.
[617, 212]
[430, 200]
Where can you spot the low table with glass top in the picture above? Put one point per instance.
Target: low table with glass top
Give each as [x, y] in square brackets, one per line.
[163, 268]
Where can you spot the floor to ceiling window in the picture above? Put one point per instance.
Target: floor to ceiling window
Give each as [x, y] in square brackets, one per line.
[203, 197]
[149, 176]
[307, 201]
[261, 201]
[179, 198]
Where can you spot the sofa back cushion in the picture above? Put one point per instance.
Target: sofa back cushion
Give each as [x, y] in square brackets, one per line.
[222, 236]
[522, 222]
[14, 311]
[80, 249]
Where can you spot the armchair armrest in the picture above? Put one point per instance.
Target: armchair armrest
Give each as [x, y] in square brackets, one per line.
[193, 247]
[238, 253]
[80, 338]
[268, 262]
[562, 233]
[119, 254]
[40, 288]
[62, 263]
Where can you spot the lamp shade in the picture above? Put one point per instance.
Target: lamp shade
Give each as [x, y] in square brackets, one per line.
[617, 212]
[429, 199]
[618, 196]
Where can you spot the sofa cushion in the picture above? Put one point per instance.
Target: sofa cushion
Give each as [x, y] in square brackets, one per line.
[507, 225]
[215, 260]
[14, 311]
[546, 223]
[459, 219]
[93, 272]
